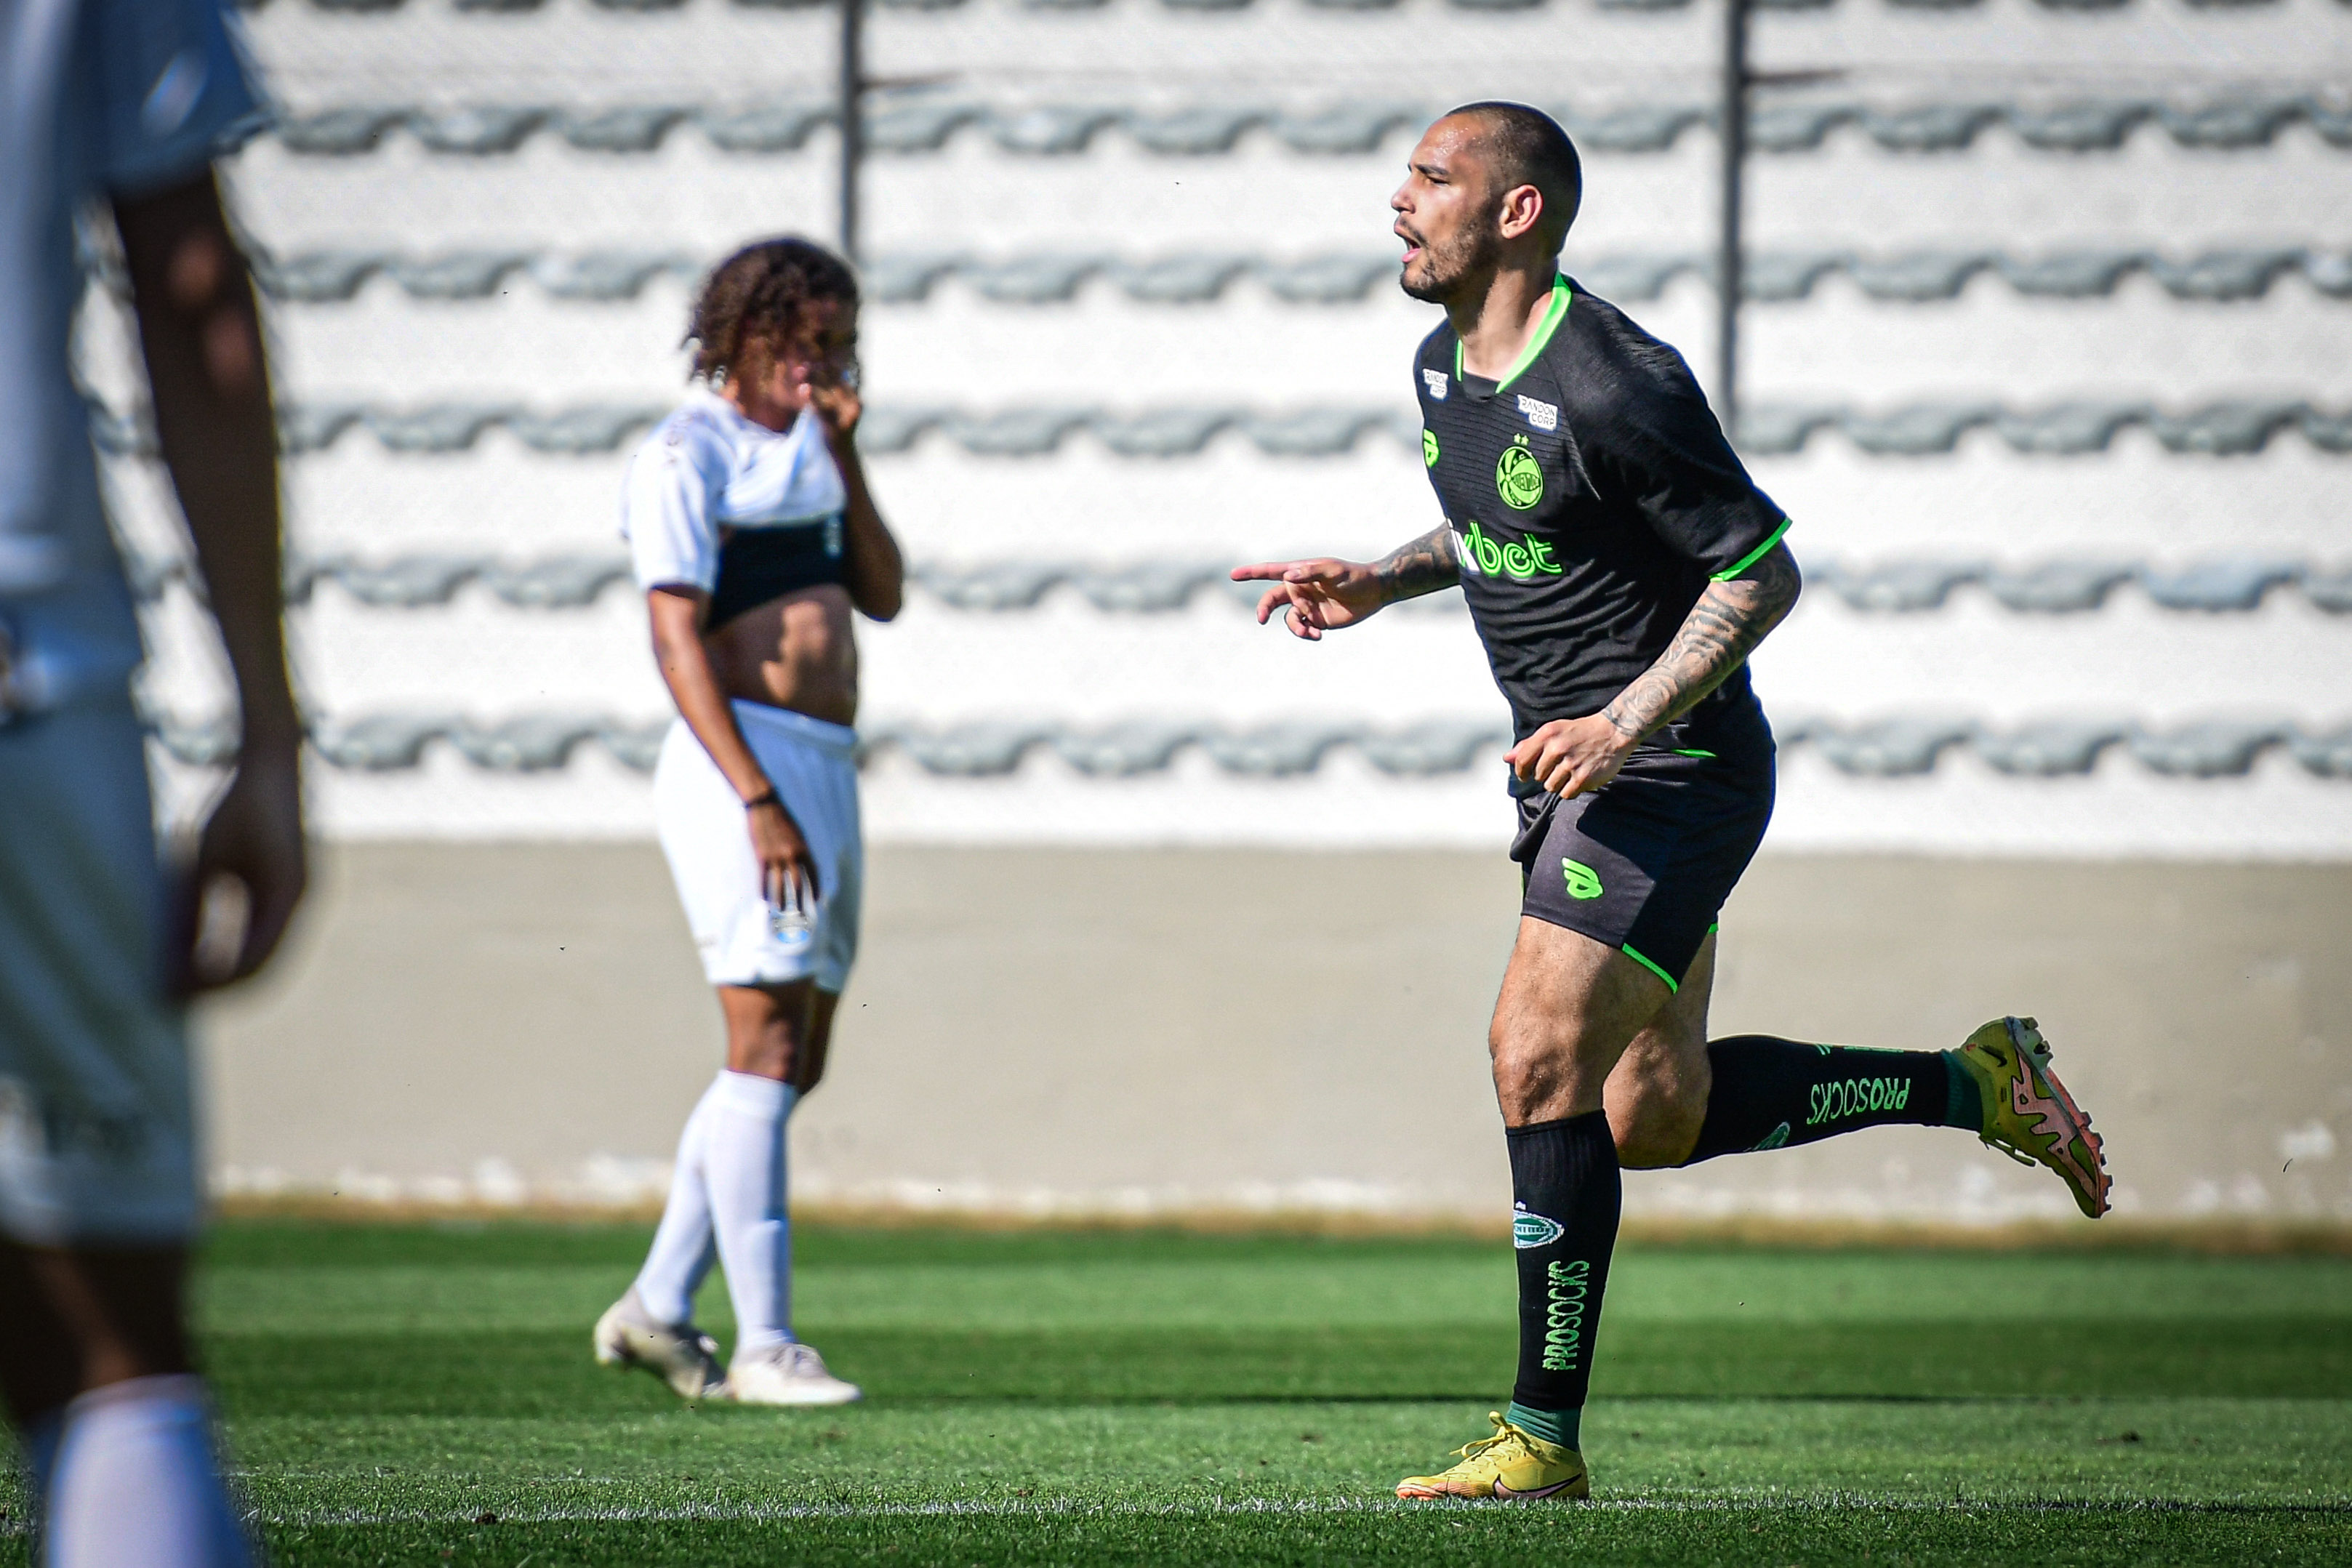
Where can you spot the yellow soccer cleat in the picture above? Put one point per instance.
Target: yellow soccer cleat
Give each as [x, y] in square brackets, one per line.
[2029, 1115]
[1511, 1465]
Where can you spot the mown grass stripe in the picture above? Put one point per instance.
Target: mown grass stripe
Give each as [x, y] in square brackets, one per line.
[425, 1394]
[948, 1509]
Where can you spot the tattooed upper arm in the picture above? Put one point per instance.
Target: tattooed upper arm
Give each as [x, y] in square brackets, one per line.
[1723, 628]
[1776, 575]
[1423, 566]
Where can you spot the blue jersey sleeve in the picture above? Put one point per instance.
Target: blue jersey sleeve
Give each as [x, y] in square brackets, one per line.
[167, 88]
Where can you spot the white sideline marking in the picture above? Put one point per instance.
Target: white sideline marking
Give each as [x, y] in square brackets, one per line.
[760, 1512]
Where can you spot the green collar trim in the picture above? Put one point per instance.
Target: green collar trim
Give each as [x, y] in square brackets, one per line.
[1554, 314]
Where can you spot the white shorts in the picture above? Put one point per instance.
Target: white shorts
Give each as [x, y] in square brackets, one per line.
[97, 1125]
[814, 766]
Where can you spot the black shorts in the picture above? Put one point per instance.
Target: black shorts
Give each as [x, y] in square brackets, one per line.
[1645, 864]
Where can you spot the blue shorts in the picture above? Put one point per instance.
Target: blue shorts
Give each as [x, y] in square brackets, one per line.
[97, 1116]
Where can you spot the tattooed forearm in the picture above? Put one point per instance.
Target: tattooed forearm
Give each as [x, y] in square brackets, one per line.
[1722, 629]
[1423, 566]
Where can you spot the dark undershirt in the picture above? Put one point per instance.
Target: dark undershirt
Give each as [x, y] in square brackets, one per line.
[758, 565]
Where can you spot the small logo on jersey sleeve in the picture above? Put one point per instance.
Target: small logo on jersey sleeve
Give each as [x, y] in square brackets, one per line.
[1518, 477]
[1436, 381]
[1428, 448]
[1542, 415]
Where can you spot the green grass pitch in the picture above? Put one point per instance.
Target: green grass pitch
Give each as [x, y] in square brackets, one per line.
[423, 1394]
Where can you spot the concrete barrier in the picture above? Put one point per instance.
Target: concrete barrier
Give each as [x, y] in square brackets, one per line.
[1059, 1033]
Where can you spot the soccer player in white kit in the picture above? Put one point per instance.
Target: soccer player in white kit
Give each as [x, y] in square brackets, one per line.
[753, 534]
[121, 103]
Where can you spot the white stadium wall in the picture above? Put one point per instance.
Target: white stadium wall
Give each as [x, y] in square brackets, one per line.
[2048, 354]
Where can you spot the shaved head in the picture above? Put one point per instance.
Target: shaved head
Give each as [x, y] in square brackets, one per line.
[1525, 146]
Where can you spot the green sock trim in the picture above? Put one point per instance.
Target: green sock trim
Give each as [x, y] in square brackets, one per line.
[1965, 1109]
[1552, 1425]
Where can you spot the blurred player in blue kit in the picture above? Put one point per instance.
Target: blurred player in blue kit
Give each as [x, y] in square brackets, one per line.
[753, 534]
[1620, 566]
[121, 103]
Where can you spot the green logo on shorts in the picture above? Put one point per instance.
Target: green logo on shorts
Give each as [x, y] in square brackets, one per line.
[1519, 478]
[1583, 882]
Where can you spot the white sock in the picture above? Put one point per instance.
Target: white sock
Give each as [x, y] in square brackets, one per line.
[137, 1482]
[681, 1254]
[744, 1165]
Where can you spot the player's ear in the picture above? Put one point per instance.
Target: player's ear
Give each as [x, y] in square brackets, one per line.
[1522, 211]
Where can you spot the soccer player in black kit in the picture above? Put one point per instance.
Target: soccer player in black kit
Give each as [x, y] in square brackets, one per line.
[1621, 566]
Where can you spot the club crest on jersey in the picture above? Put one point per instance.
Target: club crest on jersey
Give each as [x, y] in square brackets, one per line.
[1436, 381]
[1541, 414]
[1518, 478]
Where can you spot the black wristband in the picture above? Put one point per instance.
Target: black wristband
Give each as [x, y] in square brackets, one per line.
[766, 797]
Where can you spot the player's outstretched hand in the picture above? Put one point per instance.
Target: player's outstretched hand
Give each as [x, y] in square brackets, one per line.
[1320, 596]
[250, 854]
[1572, 756]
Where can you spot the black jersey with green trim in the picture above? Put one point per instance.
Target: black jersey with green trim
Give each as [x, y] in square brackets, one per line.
[1591, 496]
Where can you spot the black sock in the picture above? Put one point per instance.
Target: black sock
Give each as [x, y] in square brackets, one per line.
[1565, 1185]
[1771, 1093]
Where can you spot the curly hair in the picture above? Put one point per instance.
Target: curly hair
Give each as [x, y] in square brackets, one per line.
[758, 295]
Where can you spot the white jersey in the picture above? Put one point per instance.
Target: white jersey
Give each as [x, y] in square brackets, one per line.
[744, 513]
[706, 474]
[98, 99]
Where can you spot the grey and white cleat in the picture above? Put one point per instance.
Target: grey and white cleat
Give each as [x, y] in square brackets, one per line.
[679, 1353]
[786, 1374]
